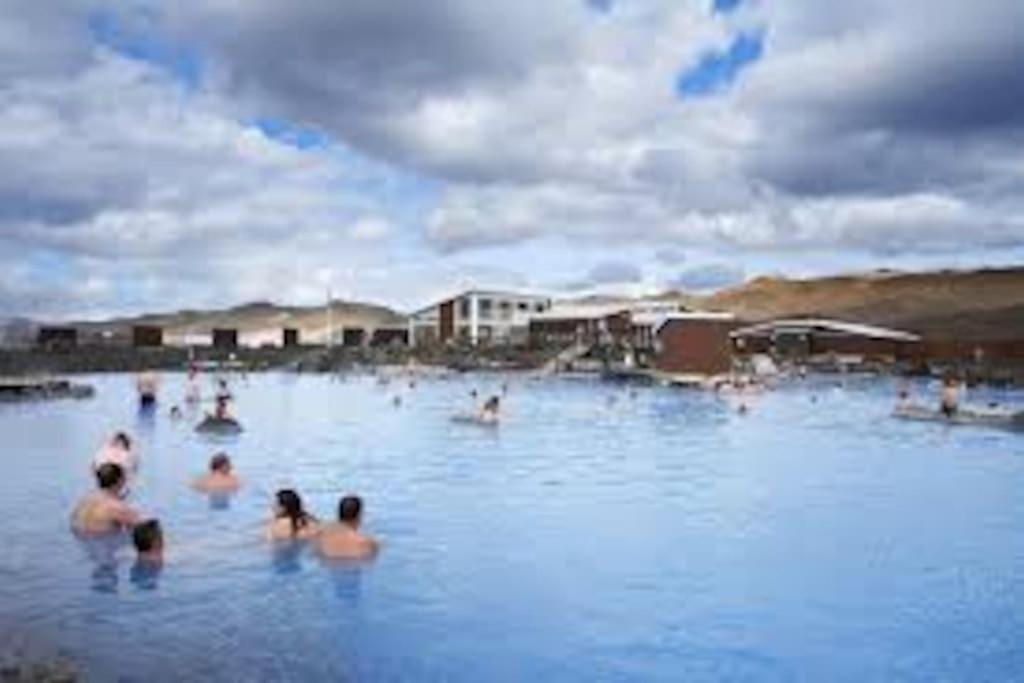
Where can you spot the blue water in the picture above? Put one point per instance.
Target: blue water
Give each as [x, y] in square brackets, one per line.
[592, 537]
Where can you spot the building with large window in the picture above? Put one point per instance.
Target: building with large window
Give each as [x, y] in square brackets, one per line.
[477, 317]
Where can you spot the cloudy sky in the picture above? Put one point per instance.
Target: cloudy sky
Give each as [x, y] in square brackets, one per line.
[157, 155]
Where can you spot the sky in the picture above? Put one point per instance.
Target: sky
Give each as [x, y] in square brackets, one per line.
[158, 155]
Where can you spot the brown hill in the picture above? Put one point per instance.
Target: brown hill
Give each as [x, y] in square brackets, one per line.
[981, 304]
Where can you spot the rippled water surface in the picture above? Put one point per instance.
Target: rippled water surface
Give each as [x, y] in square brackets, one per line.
[593, 536]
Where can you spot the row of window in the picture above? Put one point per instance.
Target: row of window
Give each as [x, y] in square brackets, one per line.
[505, 308]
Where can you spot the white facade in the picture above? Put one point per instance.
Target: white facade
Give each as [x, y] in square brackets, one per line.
[479, 317]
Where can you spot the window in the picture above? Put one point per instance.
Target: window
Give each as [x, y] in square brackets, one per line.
[464, 309]
[523, 306]
[486, 306]
[539, 308]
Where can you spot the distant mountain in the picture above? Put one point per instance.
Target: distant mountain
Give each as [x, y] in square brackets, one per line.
[258, 321]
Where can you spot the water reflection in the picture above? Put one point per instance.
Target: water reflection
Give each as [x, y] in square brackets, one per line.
[101, 555]
[346, 578]
[145, 575]
[286, 556]
[220, 501]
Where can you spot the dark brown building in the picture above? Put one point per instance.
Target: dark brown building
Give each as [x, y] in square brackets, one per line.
[147, 336]
[225, 338]
[57, 338]
[694, 343]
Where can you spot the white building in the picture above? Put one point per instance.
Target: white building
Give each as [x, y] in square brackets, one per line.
[479, 317]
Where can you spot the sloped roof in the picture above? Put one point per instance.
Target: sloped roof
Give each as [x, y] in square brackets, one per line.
[798, 325]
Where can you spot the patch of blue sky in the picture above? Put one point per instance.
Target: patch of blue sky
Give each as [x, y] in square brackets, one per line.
[717, 69]
[51, 266]
[183, 64]
[290, 133]
[725, 6]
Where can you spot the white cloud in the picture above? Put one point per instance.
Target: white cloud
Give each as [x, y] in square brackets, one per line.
[517, 122]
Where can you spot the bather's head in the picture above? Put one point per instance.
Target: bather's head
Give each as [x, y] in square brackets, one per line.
[220, 464]
[148, 538]
[493, 403]
[350, 510]
[122, 440]
[110, 477]
[289, 506]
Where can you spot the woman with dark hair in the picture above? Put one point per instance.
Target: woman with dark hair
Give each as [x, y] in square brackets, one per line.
[290, 520]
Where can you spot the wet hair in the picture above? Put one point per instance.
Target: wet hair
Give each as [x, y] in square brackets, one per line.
[350, 508]
[492, 403]
[109, 475]
[123, 439]
[220, 463]
[147, 536]
[291, 507]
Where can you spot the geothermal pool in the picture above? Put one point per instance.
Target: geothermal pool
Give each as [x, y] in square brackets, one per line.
[593, 536]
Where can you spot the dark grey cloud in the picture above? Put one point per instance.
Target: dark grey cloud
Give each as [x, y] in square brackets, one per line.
[670, 256]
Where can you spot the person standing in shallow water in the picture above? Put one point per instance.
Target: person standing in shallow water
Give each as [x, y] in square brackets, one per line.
[146, 384]
[949, 396]
[104, 511]
[342, 539]
[291, 521]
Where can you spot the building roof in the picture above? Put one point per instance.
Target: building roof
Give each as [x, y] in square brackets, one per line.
[658, 320]
[808, 325]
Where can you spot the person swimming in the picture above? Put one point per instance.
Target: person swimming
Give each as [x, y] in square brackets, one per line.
[175, 413]
[104, 511]
[341, 539]
[290, 520]
[223, 391]
[220, 409]
[117, 450]
[490, 413]
[220, 478]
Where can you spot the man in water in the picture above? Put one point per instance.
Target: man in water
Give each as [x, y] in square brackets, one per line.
[148, 539]
[104, 511]
[341, 539]
[147, 384]
[117, 451]
[220, 478]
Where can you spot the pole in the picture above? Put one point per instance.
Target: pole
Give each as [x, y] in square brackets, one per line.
[330, 322]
